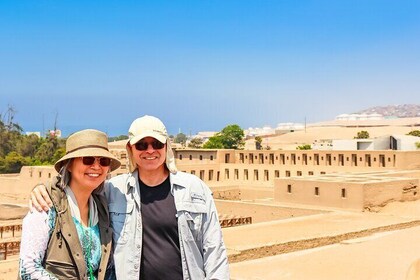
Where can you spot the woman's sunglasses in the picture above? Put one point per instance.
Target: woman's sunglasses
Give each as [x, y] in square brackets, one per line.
[103, 161]
[143, 145]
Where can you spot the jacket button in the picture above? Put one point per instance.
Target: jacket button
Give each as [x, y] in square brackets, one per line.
[105, 250]
[69, 234]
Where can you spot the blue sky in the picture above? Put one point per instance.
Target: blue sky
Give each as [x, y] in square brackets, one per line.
[201, 65]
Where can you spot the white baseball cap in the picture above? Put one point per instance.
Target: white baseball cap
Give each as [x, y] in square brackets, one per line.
[149, 126]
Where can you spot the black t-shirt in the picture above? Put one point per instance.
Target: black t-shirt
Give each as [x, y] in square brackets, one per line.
[161, 256]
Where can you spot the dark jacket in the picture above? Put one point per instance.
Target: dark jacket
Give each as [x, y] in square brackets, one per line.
[64, 256]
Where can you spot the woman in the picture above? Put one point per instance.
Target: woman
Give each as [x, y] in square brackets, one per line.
[162, 218]
[73, 239]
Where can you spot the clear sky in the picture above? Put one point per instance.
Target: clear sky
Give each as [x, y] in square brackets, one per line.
[201, 65]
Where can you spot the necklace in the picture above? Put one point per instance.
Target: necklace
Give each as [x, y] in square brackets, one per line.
[88, 255]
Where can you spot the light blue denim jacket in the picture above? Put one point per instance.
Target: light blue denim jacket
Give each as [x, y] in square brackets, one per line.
[203, 252]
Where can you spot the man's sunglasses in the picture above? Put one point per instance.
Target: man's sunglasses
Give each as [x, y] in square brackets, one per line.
[143, 145]
[103, 161]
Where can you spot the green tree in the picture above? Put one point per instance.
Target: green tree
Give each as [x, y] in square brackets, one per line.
[117, 138]
[214, 142]
[59, 153]
[28, 145]
[418, 145]
[8, 140]
[13, 162]
[46, 153]
[196, 143]
[304, 147]
[414, 133]
[231, 137]
[180, 138]
[363, 134]
[17, 149]
[10, 133]
[258, 141]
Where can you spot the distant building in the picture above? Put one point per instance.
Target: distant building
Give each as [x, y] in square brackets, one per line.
[281, 128]
[37, 133]
[359, 117]
[204, 135]
[322, 144]
[288, 127]
[392, 142]
[357, 191]
[56, 133]
[258, 131]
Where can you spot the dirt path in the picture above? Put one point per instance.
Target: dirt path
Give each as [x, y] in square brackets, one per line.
[293, 246]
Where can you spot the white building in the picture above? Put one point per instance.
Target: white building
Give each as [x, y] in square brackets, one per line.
[257, 131]
[37, 133]
[289, 127]
[359, 117]
[392, 142]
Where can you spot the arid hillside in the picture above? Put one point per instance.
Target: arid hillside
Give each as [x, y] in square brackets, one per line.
[337, 130]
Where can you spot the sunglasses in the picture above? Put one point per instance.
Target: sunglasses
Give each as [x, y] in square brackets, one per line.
[103, 161]
[143, 145]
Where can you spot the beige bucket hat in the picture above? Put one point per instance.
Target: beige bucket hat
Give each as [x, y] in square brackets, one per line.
[149, 126]
[87, 143]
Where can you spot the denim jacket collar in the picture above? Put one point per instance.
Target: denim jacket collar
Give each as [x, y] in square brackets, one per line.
[132, 180]
[175, 182]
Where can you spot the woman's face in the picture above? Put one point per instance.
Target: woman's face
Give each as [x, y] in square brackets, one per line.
[87, 174]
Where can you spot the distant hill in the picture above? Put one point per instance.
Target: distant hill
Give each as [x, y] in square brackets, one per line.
[400, 111]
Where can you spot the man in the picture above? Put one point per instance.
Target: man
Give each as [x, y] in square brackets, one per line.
[165, 221]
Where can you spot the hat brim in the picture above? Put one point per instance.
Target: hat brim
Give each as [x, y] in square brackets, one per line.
[161, 138]
[88, 152]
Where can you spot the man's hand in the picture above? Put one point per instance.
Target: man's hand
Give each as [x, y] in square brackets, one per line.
[40, 200]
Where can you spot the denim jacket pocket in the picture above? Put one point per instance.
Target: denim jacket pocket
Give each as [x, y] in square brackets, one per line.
[120, 215]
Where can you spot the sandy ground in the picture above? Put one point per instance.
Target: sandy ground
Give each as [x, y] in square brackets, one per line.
[380, 256]
[331, 245]
[9, 213]
[307, 232]
[360, 246]
[9, 268]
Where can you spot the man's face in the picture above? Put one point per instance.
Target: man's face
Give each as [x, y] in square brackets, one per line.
[149, 154]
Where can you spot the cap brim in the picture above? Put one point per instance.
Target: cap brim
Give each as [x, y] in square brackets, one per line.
[161, 138]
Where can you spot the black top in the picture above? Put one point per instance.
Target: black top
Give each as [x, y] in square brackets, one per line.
[161, 256]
